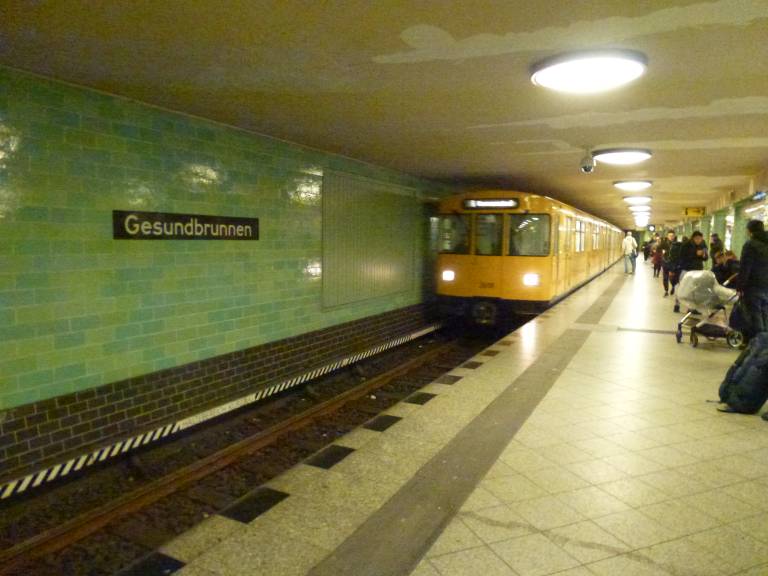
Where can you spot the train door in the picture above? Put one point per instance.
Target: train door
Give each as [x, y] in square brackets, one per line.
[564, 257]
[487, 265]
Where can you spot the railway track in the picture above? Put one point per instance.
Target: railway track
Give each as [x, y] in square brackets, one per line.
[25, 557]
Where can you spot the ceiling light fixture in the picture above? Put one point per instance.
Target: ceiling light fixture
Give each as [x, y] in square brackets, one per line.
[589, 71]
[633, 185]
[637, 200]
[621, 156]
[639, 208]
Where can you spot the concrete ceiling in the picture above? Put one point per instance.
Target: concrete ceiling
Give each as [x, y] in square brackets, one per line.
[439, 89]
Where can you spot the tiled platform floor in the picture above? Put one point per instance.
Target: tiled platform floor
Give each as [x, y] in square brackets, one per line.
[622, 468]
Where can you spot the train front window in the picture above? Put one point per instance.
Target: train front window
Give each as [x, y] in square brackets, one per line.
[454, 234]
[488, 234]
[529, 235]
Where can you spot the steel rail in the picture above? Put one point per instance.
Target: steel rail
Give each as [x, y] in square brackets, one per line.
[78, 528]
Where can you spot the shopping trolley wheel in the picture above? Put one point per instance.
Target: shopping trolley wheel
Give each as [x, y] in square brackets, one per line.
[734, 339]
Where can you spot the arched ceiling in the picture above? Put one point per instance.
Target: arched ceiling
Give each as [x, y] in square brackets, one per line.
[438, 89]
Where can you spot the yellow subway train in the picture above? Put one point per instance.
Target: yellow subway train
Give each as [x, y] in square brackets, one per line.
[502, 252]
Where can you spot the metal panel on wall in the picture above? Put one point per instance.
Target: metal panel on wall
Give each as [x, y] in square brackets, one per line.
[370, 233]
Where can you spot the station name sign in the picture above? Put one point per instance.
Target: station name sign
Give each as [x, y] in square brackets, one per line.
[481, 204]
[135, 225]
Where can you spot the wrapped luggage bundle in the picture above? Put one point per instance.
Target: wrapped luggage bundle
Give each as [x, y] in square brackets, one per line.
[699, 289]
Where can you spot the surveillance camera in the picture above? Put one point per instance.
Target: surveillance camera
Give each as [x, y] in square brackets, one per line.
[588, 164]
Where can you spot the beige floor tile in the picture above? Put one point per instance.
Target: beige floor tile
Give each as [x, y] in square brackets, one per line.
[752, 492]
[599, 447]
[562, 454]
[313, 520]
[665, 435]
[633, 441]
[587, 542]
[555, 479]
[754, 526]
[720, 505]
[496, 524]
[194, 570]
[634, 528]
[499, 469]
[456, 536]
[684, 557]
[668, 456]
[545, 513]
[523, 459]
[634, 464]
[681, 518]
[261, 553]
[596, 471]
[674, 483]
[512, 488]
[738, 550]
[756, 571]
[480, 561]
[534, 555]
[709, 474]
[632, 564]
[201, 538]
[742, 465]
[425, 568]
[479, 499]
[634, 492]
[592, 502]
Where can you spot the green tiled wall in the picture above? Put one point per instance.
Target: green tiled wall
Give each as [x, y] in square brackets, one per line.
[79, 309]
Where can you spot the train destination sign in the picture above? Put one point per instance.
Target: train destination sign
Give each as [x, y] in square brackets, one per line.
[484, 204]
[135, 225]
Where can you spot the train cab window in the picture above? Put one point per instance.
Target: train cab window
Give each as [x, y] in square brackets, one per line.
[488, 234]
[529, 235]
[454, 234]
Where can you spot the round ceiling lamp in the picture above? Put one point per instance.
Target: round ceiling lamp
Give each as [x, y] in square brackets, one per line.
[637, 209]
[633, 185]
[589, 71]
[637, 200]
[621, 156]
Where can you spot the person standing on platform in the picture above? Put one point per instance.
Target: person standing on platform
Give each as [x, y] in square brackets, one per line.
[693, 254]
[752, 281]
[629, 249]
[715, 246]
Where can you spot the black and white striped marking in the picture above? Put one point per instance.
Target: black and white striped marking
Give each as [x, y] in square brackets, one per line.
[62, 469]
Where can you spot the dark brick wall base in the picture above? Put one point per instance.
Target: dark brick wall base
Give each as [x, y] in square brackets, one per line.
[36, 435]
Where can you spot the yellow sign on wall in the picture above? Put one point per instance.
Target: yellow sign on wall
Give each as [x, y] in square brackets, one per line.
[695, 212]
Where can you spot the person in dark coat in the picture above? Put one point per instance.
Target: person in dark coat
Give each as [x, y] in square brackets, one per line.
[726, 267]
[752, 281]
[693, 254]
[715, 246]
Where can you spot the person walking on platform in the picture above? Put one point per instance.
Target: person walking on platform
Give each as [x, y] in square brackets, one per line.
[693, 254]
[670, 255]
[629, 249]
[657, 258]
[752, 281]
[715, 246]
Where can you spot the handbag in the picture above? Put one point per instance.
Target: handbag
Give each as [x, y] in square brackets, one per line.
[740, 318]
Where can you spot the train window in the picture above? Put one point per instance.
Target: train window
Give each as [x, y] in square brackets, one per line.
[581, 229]
[488, 234]
[454, 234]
[529, 235]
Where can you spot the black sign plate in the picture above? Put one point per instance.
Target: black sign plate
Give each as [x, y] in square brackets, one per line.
[135, 225]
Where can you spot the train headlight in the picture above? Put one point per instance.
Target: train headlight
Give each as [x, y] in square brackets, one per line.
[530, 279]
[449, 275]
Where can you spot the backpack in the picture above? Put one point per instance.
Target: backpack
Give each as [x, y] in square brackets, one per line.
[745, 388]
